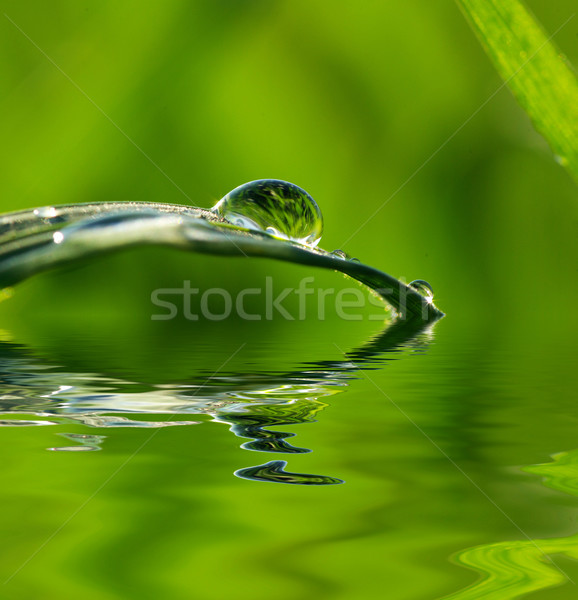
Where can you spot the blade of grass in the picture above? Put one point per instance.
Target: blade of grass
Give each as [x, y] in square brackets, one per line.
[538, 75]
[33, 241]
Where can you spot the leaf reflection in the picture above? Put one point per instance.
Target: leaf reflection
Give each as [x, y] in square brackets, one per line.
[250, 403]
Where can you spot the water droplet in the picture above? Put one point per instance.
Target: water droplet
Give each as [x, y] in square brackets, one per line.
[58, 237]
[424, 288]
[46, 212]
[340, 254]
[277, 207]
[344, 255]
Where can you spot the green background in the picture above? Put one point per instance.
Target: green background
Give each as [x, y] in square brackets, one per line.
[391, 116]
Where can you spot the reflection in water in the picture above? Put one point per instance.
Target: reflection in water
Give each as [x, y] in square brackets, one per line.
[250, 403]
[251, 424]
[515, 568]
[86, 443]
[273, 471]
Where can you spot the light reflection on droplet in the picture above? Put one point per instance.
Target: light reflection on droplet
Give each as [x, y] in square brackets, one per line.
[58, 237]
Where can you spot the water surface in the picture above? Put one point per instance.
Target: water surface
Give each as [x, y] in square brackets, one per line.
[415, 463]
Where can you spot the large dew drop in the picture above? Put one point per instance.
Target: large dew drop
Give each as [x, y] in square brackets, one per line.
[276, 207]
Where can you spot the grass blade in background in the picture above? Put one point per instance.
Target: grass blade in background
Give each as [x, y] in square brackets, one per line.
[537, 74]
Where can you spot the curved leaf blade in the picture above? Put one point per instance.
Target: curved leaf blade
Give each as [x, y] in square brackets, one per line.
[31, 243]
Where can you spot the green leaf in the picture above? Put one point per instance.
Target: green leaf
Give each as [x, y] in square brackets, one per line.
[538, 75]
[33, 241]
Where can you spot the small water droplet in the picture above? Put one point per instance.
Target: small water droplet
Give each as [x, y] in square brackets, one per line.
[58, 237]
[277, 207]
[340, 254]
[424, 288]
[46, 212]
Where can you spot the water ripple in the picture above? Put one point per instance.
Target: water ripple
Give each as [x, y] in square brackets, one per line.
[273, 471]
[513, 569]
[34, 392]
